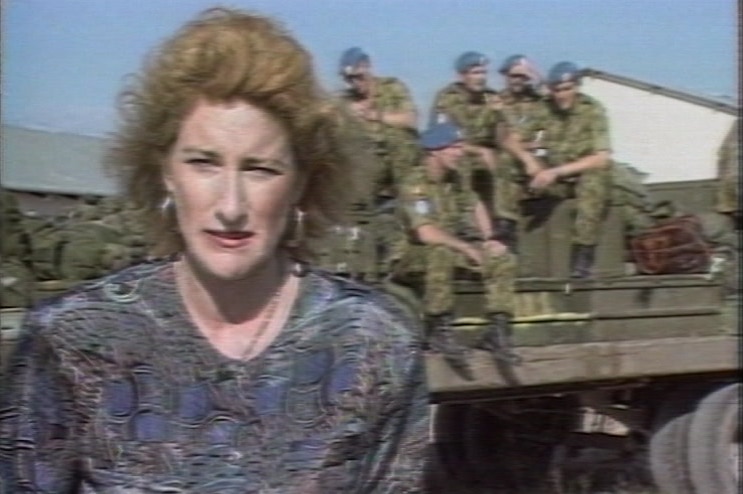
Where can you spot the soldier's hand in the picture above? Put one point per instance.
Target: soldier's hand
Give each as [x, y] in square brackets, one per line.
[494, 101]
[544, 179]
[474, 254]
[533, 168]
[359, 108]
[372, 115]
[494, 248]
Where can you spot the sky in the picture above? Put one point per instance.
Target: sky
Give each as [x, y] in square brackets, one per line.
[64, 61]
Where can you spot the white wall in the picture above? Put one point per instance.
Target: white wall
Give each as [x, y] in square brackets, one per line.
[671, 139]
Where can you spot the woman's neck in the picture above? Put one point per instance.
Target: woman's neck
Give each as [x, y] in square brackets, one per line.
[220, 303]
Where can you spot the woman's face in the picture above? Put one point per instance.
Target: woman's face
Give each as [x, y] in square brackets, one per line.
[234, 181]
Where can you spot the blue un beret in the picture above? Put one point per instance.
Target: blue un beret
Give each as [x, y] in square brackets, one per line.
[351, 58]
[469, 59]
[440, 135]
[511, 62]
[563, 72]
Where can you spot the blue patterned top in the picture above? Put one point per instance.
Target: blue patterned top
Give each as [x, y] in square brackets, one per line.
[112, 389]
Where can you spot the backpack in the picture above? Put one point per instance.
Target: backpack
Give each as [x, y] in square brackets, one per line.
[672, 246]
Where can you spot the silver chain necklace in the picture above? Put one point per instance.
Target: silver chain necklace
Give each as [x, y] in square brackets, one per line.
[269, 313]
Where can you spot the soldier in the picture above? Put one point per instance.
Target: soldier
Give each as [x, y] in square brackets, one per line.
[450, 229]
[728, 172]
[471, 105]
[523, 89]
[16, 277]
[570, 154]
[388, 115]
[523, 95]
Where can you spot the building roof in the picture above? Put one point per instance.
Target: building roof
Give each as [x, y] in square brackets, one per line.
[713, 103]
[53, 162]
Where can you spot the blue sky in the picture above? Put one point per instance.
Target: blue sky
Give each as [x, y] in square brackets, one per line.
[64, 60]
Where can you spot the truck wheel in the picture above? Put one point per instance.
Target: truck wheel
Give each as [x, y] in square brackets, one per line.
[668, 451]
[715, 442]
[668, 448]
[504, 454]
[448, 450]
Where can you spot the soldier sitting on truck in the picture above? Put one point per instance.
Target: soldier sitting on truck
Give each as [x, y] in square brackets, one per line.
[450, 229]
[473, 106]
[386, 111]
[16, 277]
[728, 174]
[569, 155]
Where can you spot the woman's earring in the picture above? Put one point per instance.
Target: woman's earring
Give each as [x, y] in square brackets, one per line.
[166, 205]
[298, 235]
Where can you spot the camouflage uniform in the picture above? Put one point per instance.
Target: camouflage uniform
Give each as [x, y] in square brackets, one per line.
[394, 147]
[473, 113]
[567, 136]
[728, 172]
[16, 277]
[517, 110]
[93, 240]
[450, 206]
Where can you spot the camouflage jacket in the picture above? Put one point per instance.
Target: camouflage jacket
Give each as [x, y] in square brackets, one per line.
[728, 156]
[472, 112]
[728, 171]
[568, 135]
[388, 95]
[447, 204]
[13, 236]
[519, 108]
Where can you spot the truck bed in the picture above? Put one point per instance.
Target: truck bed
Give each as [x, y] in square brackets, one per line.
[598, 332]
[557, 368]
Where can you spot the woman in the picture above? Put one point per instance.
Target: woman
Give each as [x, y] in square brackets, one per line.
[229, 367]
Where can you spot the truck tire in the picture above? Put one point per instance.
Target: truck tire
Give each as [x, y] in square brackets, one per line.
[714, 442]
[448, 446]
[668, 451]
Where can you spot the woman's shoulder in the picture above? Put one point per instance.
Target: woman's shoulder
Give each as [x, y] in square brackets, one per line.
[372, 308]
[93, 297]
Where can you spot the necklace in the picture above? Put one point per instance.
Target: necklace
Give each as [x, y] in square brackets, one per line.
[269, 313]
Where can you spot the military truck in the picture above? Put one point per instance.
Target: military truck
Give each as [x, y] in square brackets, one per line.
[624, 376]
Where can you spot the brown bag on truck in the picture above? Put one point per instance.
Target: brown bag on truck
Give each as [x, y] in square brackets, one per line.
[672, 246]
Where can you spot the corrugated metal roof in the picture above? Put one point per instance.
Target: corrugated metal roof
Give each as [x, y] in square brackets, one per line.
[53, 162]
[708, 102]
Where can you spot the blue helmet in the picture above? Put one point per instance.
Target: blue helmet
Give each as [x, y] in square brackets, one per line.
[511, 62]
[440, 135]
[351, 58]
[469, 59]
[564, 72]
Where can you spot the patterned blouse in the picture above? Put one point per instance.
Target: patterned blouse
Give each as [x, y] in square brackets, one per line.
[112, 389]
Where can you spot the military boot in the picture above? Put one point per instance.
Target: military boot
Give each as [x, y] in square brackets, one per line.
[441, 339]
[498, 338]
[581, 260]
[505, 232]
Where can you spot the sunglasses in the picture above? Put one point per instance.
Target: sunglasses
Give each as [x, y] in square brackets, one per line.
[562, 89]
[522, 77]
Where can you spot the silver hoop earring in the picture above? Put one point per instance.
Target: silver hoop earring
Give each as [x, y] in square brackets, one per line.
[298, 234]
[166, 205]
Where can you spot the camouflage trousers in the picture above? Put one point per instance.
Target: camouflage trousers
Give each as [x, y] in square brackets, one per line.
[591, 189]
[728, 195]
[439, 265]
[16, 283]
